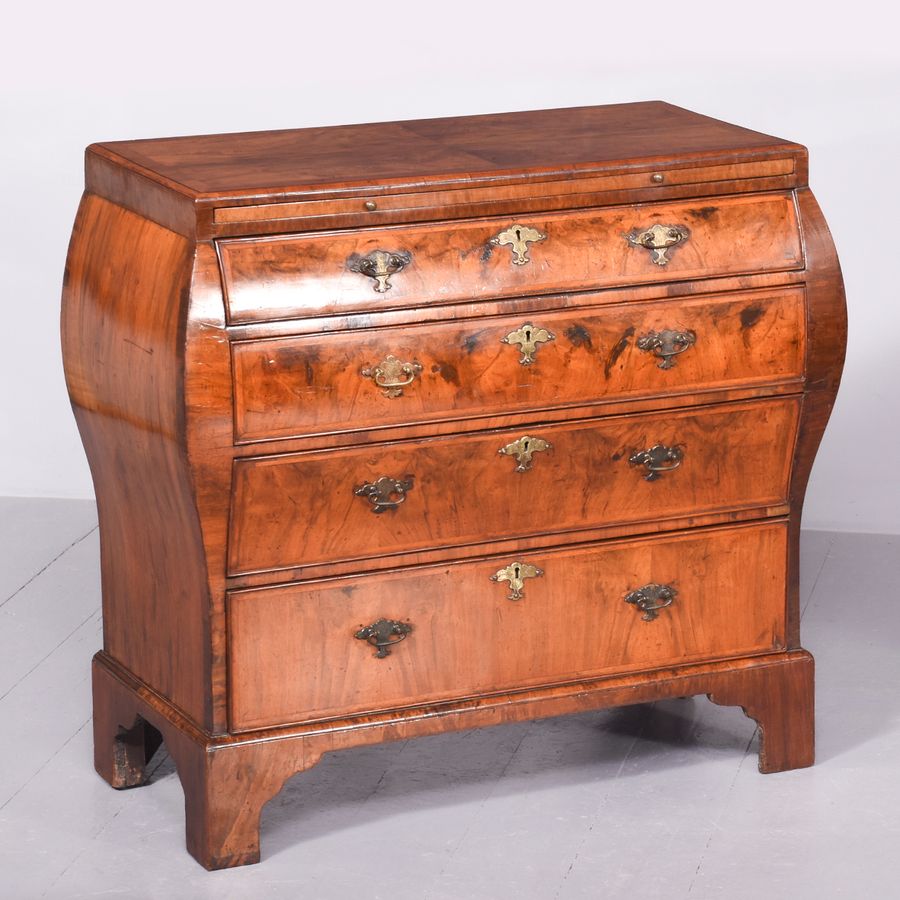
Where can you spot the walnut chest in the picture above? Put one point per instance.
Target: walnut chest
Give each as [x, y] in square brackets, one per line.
[430, 425]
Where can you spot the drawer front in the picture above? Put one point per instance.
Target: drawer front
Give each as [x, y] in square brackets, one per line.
[295, 654]
[462, 201]
[321, 506]
[391, 376]
[371, 269]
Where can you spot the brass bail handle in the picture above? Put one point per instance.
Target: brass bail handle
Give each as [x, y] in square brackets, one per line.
[658, 239]
[666, 345]
[385, 493]
[658, 459]
[651, 598]
[392, 375]
[380, 265]
[383, 634]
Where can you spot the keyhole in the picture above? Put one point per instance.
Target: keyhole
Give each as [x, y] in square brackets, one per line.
[517, 571]
[527, 332]
[526, 445]
[518, 234]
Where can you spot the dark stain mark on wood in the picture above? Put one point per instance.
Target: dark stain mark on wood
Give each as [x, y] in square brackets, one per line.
[617, 456]
[578, 336]
[617, 350]
[288, 358]
[704, 212]
[487, 252]
[470, 343]
[447, 371]
[751, 314]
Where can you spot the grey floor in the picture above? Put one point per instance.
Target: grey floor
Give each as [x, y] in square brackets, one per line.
[662, 800]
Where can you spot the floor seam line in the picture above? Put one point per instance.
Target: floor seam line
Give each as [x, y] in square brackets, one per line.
[47, 762]
[46, 656]
[715, 824]
[615, 778]
[484, 800]
[84, 849]
[40, 572]
[384, 774]
[812, 590]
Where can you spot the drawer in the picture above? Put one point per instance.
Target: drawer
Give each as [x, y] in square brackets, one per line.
[468, 201]
[321, 506]
[313, 384]
[301, 652]
[472, 260]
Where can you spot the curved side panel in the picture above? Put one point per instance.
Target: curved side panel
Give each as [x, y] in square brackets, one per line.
[124, 298]
[210, 446]
[826, 346]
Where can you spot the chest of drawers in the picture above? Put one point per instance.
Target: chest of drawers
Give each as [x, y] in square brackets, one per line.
[432, 425]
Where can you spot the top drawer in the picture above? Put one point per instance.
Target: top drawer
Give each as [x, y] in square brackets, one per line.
[387, 268]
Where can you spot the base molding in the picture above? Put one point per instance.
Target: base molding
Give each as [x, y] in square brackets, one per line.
[227, 779]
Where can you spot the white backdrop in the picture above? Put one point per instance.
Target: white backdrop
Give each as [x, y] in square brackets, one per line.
[91, 71]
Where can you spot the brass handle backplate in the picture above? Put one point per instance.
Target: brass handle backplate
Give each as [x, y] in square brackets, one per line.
[518, 237]
[515, 574]
[379, 265]
[651, 598]
[528, 337]
[657, 459]
[392, 375]
[383, 634]
[385, 493]
[523, 449]
[666, 344]
[658, 239]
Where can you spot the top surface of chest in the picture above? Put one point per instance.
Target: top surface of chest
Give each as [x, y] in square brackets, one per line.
[539, 141]
[386, 173]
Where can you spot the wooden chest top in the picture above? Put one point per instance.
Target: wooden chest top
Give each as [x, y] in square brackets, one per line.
[603, 153]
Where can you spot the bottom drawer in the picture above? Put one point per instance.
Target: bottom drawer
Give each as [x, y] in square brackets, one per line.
[299, 652]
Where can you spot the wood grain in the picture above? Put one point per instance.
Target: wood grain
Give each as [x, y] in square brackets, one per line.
[122, 351]
[293, 656]
[208, 443]
[827, 330]
[446, 200]
[465, 492]
[277, 278]
[298, 386]
[433, 150]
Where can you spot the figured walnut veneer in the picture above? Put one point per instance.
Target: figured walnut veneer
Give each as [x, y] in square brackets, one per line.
[325, 405]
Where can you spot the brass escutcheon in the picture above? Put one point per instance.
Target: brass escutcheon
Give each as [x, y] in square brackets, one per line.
[528, 336]
[651, 598]
[658, 239]
[523, 450]
[383, 634]
[385, 493]
[516, 573]
[392, 375]
[657, 459]
[518, 237]
[379, 265]
[666, 344]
